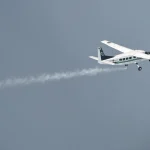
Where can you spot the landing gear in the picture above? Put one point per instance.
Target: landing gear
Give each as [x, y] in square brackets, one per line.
[126, 65]
[139, 68]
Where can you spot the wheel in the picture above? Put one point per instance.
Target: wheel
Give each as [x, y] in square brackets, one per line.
[139, 68]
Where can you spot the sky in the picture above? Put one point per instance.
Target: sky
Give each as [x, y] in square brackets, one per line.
[109, 111]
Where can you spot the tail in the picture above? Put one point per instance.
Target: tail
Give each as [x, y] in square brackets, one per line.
[101, 55]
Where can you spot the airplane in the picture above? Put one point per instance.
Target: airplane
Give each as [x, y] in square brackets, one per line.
[128, 56]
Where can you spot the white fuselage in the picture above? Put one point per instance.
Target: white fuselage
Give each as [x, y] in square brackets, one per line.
[124, 59]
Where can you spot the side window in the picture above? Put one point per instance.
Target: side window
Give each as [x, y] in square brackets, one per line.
[134, 57]
[123, 58]
[120, 59]
[147, 53]
[130, 57]
[127, 58]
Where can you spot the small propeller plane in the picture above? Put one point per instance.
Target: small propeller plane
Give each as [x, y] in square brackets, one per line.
[128, 56]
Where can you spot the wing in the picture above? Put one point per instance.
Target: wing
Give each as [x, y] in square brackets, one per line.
[117, 47]
[142, 55]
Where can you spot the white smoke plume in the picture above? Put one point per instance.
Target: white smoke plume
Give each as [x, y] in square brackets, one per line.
[12, 82]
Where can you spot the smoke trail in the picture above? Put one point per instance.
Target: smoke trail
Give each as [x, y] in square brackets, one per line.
[55, 77]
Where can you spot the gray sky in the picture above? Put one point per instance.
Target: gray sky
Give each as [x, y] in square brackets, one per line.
[109, 111]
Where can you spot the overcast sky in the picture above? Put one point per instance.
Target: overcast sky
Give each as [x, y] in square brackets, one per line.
[105, 112]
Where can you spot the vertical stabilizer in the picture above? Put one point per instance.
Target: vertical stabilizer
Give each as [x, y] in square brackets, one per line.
[100, 53]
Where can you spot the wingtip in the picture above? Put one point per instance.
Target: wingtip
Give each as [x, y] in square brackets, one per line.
[104, 41]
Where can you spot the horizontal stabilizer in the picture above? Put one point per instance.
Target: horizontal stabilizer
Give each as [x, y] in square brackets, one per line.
[93, 57]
